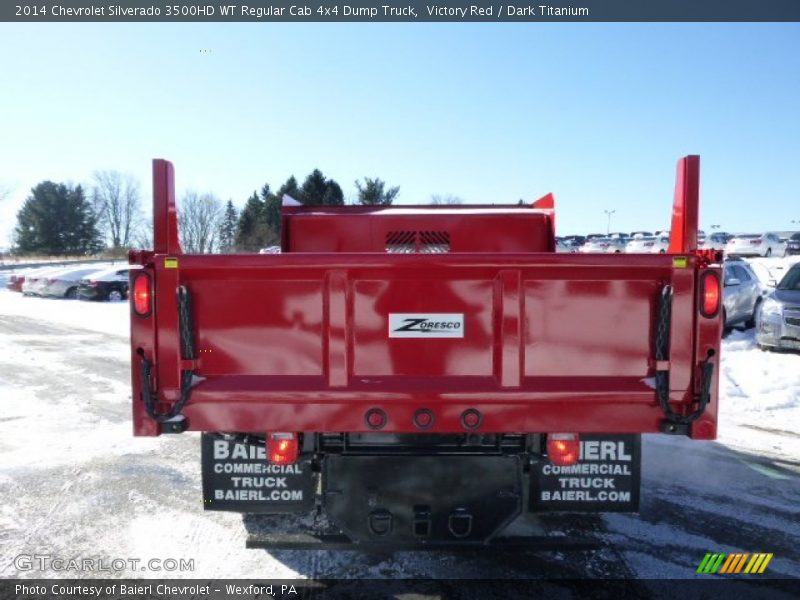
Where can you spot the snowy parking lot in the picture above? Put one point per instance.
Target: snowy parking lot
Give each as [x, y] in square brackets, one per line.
[74, 482]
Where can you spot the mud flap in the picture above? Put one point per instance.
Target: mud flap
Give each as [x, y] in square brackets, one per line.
[237, 477]
[605, 479]
[391, 500]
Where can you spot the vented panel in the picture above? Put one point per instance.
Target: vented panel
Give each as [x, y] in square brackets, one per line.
[425, 242]
[434, 242]
[401, 242]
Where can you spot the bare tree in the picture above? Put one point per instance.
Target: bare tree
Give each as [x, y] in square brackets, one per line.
[116, 203]
[199, 219]
[4, 193]
[447, 199]
[143, 235]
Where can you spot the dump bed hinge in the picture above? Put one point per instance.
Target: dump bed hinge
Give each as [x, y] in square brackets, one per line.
[675, 423]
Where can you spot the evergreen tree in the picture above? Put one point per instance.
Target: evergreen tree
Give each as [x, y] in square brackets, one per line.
[333, 194]
[270, 217]
[249, 225]
[57, 219]
[227, 230]
[373, 192]
[314, 187]
[289, 188]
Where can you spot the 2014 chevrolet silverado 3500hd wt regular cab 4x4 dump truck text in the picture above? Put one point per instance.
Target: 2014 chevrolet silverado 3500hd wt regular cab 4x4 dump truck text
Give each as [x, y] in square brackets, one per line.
[423, 376]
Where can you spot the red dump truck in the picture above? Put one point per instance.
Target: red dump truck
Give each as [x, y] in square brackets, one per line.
[423, 376]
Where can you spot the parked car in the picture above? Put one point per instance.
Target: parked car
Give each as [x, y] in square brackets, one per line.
[650, 244]
[778, 322]
[742, 294]
[715, 241]
[109, 284]
[575, 241]
[594, 236]
[755, 244]
[793, 244]
[604, 244]
[64, 284]
[14, 283]
[640, 234]
[36, 280]
[562, 246]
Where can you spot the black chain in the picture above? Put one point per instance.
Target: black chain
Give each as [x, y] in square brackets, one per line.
[187, 353]
[663, 326]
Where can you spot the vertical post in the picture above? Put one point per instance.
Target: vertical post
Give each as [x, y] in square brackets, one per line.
[165, 213]
[547, 204]
[686, 207]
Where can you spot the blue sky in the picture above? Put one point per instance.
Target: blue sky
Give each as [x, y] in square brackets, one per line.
[596, 113]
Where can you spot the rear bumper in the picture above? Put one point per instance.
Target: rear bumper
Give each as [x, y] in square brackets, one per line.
[245, 404]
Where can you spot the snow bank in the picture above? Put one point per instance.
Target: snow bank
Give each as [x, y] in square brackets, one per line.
[759, 397]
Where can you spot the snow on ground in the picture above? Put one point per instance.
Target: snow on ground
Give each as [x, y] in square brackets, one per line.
[102, 317]
[75, 483]
[759, 397]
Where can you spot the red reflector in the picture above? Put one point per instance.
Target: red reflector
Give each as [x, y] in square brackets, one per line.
[375, 418]
[709, 304]
[471, 418]
[282, 448]
[563, 449]
[423, 418]
[142, 294]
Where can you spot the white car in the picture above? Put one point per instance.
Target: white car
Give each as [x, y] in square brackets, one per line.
[755, 244]
[716, 241]
[604, 244]
[36, 280]
[64, 284]
[649, 245]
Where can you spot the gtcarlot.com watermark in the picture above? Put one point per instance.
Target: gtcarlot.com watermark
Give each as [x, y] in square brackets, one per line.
[48, 562]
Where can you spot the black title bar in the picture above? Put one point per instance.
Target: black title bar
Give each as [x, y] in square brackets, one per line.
[400, 11]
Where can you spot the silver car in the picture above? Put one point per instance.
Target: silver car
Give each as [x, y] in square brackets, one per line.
[64, 284]
[742, 294]
[778, 324]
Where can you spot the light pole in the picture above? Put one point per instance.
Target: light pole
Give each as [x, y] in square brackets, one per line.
[608, 225]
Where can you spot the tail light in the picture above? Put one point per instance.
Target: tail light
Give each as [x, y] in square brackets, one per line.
[709, 294]
[563, 449]
[283, 448]
[142, 294]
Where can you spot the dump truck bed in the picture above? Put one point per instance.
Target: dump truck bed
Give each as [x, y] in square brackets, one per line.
[317, 337]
